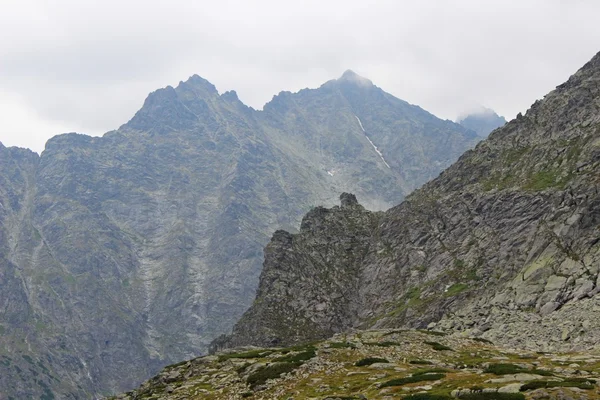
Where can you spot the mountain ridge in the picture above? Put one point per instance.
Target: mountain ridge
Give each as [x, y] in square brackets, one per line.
[506, 234]
[134, 250]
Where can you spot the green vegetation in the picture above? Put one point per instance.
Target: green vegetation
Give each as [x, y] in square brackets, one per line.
[507, 369]
[341, 345]
[412, 379]
[298, 357]
[482, 340]
[370, 360]
[28, 359]
[430, 371]
[247, 354]
[456, 289]
[586, 384]
[383, 344]
[300, 347]
[242, 367]
[438, 346]
[543, 180]
[420, 362]
[426, 396]
[433, 333]
[492, 396]
[271, 372]
[542, 372]
[503, 369]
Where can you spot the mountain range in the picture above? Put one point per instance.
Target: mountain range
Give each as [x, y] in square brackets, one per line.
[123, 253]
[503, 244]
[482, 284]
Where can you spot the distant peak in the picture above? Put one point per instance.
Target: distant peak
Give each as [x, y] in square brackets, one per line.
[198, 82]
[351, 76]
[348, 200]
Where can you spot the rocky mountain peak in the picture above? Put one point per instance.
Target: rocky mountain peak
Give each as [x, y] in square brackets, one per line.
[350, 76]
[348, 200]
[197, 82]
[482, 121]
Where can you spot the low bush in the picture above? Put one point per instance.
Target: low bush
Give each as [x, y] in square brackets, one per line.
[369, 361]
[247, 354]
[420, 362]
[492, 396]
[272, 371]
[426, 396]
[503, 369]
[342, 345]
[482, 340]
[298, 357]
[413, 379]
[432, 333]
[586, 384]
[383, 344]
[430, 371]
[542, 372]
[438, 346]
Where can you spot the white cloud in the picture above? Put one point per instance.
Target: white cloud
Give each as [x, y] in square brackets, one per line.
[87, 66]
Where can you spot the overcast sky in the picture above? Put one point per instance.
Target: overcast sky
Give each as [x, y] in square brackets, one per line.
[87, 66]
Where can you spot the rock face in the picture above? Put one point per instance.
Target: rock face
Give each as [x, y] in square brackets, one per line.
[483, 122]
[504, 243]
[123, 253]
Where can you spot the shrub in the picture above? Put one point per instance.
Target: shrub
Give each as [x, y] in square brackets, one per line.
[586, 384]
[492, 396]
[300, 347]
[383, 344]
[369, 361]
[248, 354]
[426, 396]
[272, 371]
[413, 379]
[438, 346]
[242, 367]
[482, 340]
[342, 345]
[429, 371]
[503, 369]
[298, 357]
[420, 362]
[433, 333]
[542, 372]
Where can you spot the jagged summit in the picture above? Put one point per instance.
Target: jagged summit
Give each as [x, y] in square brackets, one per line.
[196, 81]
[348, 200]
[351, 76]
[481, 120]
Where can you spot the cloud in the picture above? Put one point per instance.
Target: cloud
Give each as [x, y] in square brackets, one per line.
[87, 66]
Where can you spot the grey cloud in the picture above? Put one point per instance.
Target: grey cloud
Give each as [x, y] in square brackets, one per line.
[88, 66]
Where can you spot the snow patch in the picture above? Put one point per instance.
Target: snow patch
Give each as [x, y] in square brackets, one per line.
[372, 144]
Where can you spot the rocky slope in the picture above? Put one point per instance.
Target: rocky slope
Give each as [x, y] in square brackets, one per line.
[126, 252]
[504, 244]
[483, 122]
[383, 364]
